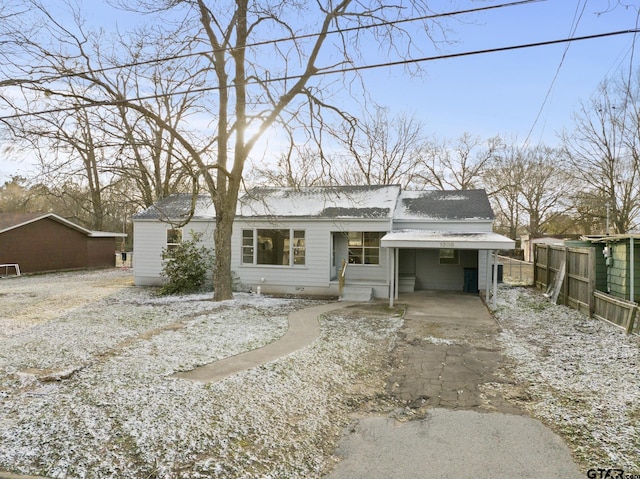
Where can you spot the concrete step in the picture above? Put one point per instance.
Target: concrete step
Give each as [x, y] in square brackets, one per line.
[358, 294]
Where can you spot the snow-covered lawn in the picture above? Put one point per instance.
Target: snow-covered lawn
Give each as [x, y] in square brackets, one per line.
[583, 377]
[86, 387]
[88, 392]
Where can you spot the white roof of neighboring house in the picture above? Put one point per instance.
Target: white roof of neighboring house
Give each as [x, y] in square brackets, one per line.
[547, 240]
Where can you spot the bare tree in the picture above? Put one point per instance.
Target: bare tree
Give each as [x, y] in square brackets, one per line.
[545, 188]
[458, 164]
[260, 63]
[503, 180]
[148, 156]
[86, 153]
[603, 154]
[16, 197]
[298, 167]
[381, 150]
[529, 188]
[69, 148]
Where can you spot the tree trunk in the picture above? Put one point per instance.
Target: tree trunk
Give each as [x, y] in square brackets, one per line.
[222, 275]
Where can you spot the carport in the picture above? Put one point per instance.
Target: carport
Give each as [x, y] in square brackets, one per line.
[485, 243]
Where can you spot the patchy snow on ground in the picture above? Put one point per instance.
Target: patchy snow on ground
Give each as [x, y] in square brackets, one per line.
[86, 389]
[89, 393]
[583, 376]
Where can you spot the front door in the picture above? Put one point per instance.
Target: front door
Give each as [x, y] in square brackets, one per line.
[340, 253]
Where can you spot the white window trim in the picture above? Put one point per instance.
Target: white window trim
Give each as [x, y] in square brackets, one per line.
[364, 248]
[291, 264]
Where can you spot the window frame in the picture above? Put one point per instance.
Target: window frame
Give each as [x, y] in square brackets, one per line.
[296, 250]
[363, 248]
[178, 235]
[451, 256]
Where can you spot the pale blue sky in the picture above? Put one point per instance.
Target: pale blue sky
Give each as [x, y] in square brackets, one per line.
[500, 93]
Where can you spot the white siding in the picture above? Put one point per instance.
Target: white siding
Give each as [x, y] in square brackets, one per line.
[314, 277]
[468, 226]
[149, 238]
[424, 265]
[204, 227]
[482, 269]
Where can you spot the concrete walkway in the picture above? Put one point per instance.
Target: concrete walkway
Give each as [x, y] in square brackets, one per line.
[304, 328]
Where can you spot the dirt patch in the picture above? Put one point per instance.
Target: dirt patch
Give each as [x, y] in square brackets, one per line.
[31, 300]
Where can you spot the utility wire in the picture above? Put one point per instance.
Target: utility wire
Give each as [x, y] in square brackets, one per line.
[273, 41]
[627, 98]
[572, 32]
[91, 104]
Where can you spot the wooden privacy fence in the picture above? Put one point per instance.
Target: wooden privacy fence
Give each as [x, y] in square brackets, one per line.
[616, 311]
[568, 275]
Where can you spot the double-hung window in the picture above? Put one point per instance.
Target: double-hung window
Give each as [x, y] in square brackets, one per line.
[174, 237]
[277, 247]
[364, 247]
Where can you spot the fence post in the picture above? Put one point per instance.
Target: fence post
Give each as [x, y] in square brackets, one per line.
[548, 281]
[567, 272]
[535, 262]
[632, 316]
[592, 280]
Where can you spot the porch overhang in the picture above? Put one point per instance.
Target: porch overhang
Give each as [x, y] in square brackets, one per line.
[446, 239]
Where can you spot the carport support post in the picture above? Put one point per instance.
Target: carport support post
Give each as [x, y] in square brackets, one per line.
[495, 280]
[632, 273]
[487, 276]
[392, 261]
[392, 267]
[390, 277]
[396, 268]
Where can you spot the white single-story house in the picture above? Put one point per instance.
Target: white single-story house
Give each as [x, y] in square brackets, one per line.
[354, 241]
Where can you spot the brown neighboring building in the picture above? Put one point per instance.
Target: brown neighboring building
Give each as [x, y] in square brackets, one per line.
[40, 242]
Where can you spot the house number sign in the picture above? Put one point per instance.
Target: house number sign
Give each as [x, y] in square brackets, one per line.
[446, 244]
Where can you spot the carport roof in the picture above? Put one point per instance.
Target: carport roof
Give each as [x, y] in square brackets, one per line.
[445, 239]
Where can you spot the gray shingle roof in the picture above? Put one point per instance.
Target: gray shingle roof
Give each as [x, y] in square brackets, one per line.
[320, 202]
[444, 205]
[178, 207]
[365, 202]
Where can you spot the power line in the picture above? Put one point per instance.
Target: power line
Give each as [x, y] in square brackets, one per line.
[628, 85]
[574, 27]
[410, 61]
[273, 41]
